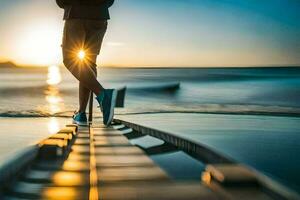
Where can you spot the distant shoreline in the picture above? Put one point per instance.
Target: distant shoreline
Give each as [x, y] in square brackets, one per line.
[11, 65]
[246, 67]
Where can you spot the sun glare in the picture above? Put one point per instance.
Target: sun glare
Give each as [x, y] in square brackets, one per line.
[81, 54]
[39, 45]
[52, 95]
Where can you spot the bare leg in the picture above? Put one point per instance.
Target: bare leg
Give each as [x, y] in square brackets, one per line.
[84, 92]
[82, 70]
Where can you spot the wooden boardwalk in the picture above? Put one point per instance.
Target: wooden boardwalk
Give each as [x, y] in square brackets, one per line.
[100, 163]
[97, 163]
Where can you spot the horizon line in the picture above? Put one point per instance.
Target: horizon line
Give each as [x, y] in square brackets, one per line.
[14, 65]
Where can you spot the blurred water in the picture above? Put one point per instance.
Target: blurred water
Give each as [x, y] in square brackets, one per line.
[268, 90]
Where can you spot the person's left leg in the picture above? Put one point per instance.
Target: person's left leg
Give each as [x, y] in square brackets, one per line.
[84, 92]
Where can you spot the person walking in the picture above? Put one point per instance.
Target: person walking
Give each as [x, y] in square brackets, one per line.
[84, 29]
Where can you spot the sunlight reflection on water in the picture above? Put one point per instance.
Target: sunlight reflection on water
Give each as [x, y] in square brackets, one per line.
[53, 97]
[53, 125]
[54, 75]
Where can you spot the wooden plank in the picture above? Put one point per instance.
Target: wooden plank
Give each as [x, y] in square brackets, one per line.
[116, 140]
[112, 142]
[129, 174]
[61, 165]
[76, 166]
[79, 157]
[65, 193]
[81, 149]
[159, 190]
[123, 160]
[108, 150]
[125, 150]
[82, 141]
[24, 190]
[58, 178]
[106, 131]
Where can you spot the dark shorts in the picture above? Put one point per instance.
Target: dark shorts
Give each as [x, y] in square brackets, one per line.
[82, 34]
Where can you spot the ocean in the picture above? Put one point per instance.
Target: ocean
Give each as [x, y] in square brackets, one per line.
[250, 114]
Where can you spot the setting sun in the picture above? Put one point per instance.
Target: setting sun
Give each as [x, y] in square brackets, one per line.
[39, 44]
[81, 54]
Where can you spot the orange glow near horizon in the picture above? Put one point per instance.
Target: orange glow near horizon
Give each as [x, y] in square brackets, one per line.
[38, 45]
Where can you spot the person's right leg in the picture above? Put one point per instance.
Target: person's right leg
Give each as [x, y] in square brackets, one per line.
[84, 92]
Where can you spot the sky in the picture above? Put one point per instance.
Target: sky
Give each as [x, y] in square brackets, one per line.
[162, 33]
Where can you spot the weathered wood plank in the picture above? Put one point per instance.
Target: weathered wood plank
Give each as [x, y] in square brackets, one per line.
[130, 174]
[161, 191]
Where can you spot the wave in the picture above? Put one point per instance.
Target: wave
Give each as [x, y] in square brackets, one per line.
[202, 109]
[156, 87]
[34, 114]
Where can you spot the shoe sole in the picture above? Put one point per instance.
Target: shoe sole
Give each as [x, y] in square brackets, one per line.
[80, 123]
[112, 107]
